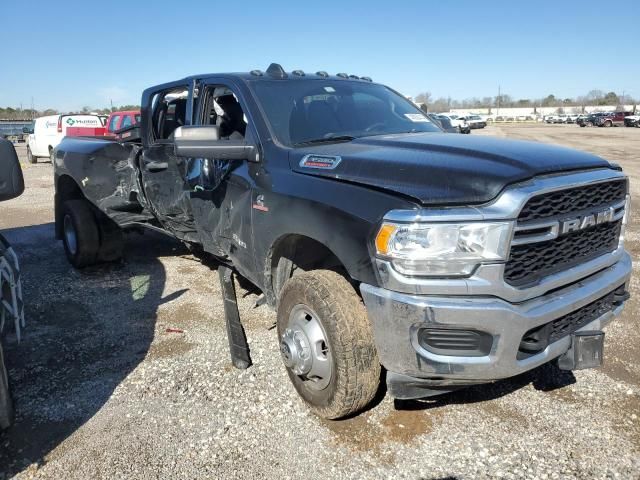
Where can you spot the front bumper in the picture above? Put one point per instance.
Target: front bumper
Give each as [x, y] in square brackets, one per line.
[398, 317]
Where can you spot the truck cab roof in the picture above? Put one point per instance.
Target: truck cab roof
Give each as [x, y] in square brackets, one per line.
[273, 72]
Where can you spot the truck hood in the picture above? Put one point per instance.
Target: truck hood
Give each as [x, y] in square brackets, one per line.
[440, 168]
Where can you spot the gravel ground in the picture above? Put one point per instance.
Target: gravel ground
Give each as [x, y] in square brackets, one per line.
[104, 387]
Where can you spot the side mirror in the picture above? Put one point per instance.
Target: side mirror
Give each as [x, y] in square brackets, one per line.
[11, 180]
[204, 142]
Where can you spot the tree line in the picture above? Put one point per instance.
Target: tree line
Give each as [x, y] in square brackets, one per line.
[594, 97]
[9, 113]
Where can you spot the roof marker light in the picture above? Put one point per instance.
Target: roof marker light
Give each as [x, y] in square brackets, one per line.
[275, 70]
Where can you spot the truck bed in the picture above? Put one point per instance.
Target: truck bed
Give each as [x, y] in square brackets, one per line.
[105, 169]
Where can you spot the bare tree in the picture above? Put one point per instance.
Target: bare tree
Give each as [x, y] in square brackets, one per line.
[424, 97]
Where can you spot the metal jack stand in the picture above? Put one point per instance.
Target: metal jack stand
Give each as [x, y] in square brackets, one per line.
[238, 345]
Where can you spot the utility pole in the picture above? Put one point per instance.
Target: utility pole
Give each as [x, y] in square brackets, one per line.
[498, 101]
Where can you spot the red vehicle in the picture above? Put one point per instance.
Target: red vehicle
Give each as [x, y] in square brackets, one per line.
[613, 119]
[119, 120]
[78, 126]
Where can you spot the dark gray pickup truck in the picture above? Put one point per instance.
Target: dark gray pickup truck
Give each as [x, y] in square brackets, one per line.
[11, 305]
[383, 243]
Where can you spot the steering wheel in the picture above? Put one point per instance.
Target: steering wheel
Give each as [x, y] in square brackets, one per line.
[370, 128]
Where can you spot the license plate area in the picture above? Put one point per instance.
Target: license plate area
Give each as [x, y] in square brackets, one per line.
[586, 351]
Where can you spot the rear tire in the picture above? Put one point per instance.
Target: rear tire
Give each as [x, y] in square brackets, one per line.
[30, 157]
[111, 239]
[608, 123]
[320, 313]
[80, 233]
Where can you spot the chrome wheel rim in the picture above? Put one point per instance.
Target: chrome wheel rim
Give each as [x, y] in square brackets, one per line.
[305, 349]
[70, 237]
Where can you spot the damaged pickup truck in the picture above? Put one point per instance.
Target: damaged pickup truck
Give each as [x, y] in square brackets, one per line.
[382, 242]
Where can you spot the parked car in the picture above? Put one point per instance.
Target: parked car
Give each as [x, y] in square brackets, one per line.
[551, 119]
[458, 122]
[11, 186]
[119, 120]
[632, 120]
[612, 119]
[50, 130]
[443, 122]
[380, 241]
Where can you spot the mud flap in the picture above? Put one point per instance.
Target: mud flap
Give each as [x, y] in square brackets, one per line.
[238, 346]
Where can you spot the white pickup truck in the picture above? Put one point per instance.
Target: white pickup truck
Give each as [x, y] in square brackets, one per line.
[632, 120]
[458, 122]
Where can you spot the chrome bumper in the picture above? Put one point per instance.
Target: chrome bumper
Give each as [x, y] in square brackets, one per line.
[397, 317]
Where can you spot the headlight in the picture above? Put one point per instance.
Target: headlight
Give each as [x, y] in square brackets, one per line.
[442, 249]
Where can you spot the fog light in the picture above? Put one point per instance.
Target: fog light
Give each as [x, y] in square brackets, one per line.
[455, 342]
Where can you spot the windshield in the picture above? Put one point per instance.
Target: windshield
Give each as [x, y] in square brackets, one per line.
[302, 112]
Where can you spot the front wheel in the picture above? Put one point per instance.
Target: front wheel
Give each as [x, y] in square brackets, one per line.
[327, 344]
[6, 406]
[608, 123]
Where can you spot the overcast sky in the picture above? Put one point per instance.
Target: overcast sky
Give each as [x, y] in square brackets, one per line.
[71, 54]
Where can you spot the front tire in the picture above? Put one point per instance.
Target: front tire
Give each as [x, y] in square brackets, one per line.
[6, 405]
[80, 233]
[327, 344]
[30, 157]
[608, 123]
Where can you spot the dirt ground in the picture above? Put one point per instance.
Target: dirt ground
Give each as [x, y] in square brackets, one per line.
[123, 372]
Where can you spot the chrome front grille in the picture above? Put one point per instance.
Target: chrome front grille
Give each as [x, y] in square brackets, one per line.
[571, 200]
[558, 230]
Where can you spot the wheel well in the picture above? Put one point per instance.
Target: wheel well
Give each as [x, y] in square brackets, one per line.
[66, 189]
[295, 254]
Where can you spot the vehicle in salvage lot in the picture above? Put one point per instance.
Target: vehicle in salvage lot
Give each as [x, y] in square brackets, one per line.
[380, 241]
[120, 120]
[50, 130]
[632, 120]
[474, 121]
[457, 122]
[590, 120]
[443, 122]
[11, 307]
[611, 119]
